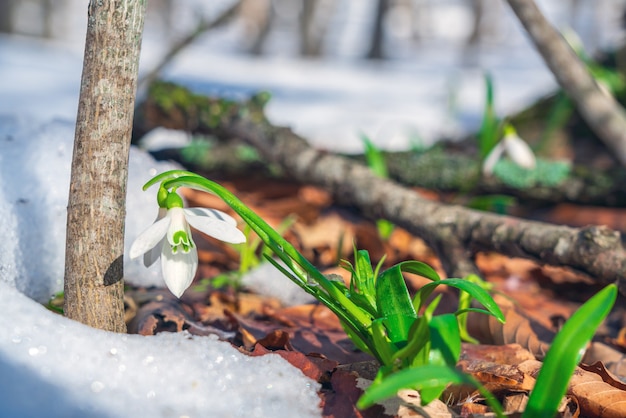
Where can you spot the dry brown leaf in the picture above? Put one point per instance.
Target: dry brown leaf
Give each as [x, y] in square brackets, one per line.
[503, 354]
[315, 196]
[607, 377]
[497, 378]
[316, 367]
[614, 360]
[159, 316]
[340, 401]
[517, 329]
[595, 397]
[495, 368]
[515, 403]
[321, 239]
[311, 328]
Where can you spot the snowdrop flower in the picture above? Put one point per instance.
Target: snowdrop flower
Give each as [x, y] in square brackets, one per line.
[169, 238]
[514, 147]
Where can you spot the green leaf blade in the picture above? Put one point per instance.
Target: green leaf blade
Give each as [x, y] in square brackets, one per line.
[394, 304]
[419, 378]
[565, 352]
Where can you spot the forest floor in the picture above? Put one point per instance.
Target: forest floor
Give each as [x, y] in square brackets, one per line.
[536, 301]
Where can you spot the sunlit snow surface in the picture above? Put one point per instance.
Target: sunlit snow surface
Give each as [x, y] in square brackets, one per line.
[53, 367]
[34, 178]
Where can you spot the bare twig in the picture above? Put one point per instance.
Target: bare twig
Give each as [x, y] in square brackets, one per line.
[203, 26]
[603, 114]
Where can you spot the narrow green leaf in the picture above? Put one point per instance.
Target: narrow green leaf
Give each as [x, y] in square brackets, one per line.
[364, 279]
[381, 342]
[478, 293]
[375, 158]
[394, 304]
[445, 340]
[418, 378]
[421, 378]
[415, 353]
[565, 353]
[419, 268]
[445, 349]
[488, 133]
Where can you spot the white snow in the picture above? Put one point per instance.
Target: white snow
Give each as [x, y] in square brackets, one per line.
[54, 367]
[262, 281]
[50, 366]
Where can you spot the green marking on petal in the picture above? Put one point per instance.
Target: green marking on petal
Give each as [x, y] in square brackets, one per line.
[181, 239]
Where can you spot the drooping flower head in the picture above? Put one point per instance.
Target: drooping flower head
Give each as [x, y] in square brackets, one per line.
[512, 146]
[169, 238]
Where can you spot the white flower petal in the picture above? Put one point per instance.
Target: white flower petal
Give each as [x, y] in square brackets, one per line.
[492, 158]
[149, 238]
[212, 213]
[178, 268]
[179, 223]
[518, 150]
[152, 255]
[216, 228]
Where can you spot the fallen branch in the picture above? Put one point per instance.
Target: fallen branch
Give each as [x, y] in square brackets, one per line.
[595, 250]
[600, 110]
[436, 168]
[454, 232]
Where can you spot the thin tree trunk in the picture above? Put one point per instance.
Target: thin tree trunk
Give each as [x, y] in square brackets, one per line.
[96, 209]
[6, 16]
[378, 34]
[603, 114]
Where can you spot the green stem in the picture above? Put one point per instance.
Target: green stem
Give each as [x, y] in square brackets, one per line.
[335, 299]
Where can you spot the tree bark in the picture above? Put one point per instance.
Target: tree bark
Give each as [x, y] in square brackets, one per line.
[96, 209]
[453, 168]
[454, 232]
[603, 114]
[376, 50]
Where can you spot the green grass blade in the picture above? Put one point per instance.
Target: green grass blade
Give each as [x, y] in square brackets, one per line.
[419, 268]
[445, 349]
[394, 304]
[445, 341]
[415, 353]
[375, 158]
[474, 290]
[419, 378]
[565, 354]
[488, 133]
